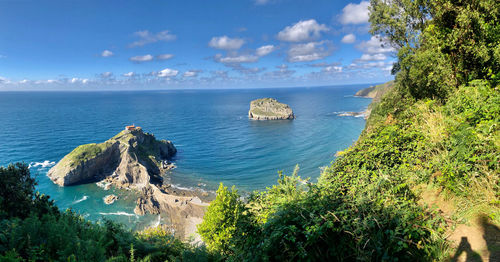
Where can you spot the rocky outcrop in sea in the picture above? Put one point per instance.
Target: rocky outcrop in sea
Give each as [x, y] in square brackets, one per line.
[269, 109]
[133, 160]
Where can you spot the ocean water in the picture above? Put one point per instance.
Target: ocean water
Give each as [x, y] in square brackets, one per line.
[216, 141]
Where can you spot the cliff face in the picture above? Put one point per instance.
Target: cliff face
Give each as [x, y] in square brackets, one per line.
[269, 109]
[375, 92]
[130, 159]
[133, 160]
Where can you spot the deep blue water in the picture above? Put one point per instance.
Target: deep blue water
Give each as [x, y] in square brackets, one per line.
[210, 128]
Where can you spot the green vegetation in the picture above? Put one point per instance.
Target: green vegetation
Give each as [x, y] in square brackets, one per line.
[85, 152]
[33, 229]
[437, 128]
[376, 92]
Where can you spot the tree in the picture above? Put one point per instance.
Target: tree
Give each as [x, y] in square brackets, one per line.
[441, 44]
[219, 224]
[16, 190]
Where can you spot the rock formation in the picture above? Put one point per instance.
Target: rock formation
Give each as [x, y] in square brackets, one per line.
[269, 109]
[132, 160]
[375, 92]
[110, 199]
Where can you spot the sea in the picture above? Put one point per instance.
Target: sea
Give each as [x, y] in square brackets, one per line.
[216, 141]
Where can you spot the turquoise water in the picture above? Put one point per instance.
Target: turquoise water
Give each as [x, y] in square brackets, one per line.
[216, 141]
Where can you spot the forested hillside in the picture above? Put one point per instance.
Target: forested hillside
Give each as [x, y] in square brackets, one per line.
[426, 163]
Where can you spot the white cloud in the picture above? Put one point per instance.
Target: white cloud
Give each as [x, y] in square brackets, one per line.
[236, 59]
[336, 69]
[373, 57]
[302, 31]
[146, 37]
[76, 80]
[381, 65]
[129, 74]
[164, 56]
[167, 72]
[106, 53]
[226, 43]
[355, 13]
[24, 81]
[375, 46]
[264, 50]
[308, 52]
[106, 74]
[348, 39]
[141, 58]
[190, 73]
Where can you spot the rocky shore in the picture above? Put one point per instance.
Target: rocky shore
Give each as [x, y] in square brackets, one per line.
[269, 109]
[134, 160]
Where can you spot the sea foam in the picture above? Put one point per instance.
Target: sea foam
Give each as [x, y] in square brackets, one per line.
[80, 200]
[43, 164]
[119, 213]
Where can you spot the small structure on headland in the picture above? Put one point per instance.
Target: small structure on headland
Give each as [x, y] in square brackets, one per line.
[132, 127]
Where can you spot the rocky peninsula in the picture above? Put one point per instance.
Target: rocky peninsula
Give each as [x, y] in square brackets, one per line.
[133, 160]
[269, 109]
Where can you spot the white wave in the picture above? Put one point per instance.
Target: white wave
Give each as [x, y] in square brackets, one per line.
[104, 185]
[157, 222]
[119, 213]
[80, 200]
[192, 188]
[360, 115]
[43, 164]
[183, 188]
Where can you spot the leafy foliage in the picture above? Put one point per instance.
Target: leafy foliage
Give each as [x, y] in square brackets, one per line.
[439, 125]
[32, 228]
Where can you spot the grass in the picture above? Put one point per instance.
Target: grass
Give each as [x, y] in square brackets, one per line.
[85, 152]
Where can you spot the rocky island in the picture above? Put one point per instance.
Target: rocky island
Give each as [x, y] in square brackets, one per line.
[133, 160]
[269, 109]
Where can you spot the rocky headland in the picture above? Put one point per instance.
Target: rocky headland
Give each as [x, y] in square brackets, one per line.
[374, 92]
[269, 109]
[133, 160]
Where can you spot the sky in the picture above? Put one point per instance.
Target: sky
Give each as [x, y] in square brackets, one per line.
[172, 44]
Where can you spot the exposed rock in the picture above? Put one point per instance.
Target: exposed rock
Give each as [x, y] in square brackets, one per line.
[355, 114]
[184, 212]
[375, 92]
[131, 158]
[269, 109]
[110, 199]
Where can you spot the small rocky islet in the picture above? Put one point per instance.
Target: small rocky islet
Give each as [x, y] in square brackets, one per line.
[269, 109]
[134, 160]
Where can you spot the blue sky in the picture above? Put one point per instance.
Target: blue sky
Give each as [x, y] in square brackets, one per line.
[187, 44]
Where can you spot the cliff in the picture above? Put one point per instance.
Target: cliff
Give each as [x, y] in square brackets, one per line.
[375, 92]
[133, 160]
[269, 109]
